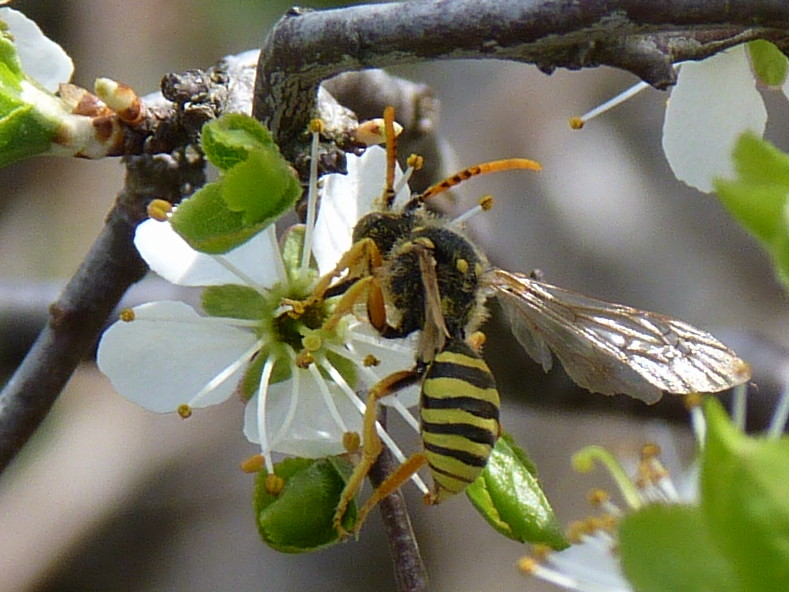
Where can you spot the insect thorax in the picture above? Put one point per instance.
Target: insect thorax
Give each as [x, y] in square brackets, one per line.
[458, 267]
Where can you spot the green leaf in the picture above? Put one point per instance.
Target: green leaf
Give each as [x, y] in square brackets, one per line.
[509, 497]
[11, 73]
[759, 197]
[23, 133]
[257, 187]
[228, 140]
[233, 301]
[262, 187]
[744, 501]
[768, 62]
[668, 547]
[299, 519]
[208, 225]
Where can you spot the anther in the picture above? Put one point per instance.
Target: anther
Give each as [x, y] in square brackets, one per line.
[127, 315]
[415, 161]
[693, 400]
[528, 565]
[577, 123]
[484, 204]
[297, 307]
[370, 360]
[274, 484]
[304, 359]
[351, 441]
[597, 497]
[650, 451]
[253, 464]
[316, 126]
[159, 209]
[184, 411]
[461, 265]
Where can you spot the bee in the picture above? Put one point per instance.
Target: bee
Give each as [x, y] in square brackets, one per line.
[414, 271]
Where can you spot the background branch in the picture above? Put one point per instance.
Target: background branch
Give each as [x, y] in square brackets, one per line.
[640, 36]
[77, 317]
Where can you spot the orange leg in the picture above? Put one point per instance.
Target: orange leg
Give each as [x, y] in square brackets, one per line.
[391, 484]
[372, 446]
[363, 256]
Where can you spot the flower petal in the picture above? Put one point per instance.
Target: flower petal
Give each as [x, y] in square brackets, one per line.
[168, 353]
[171, 257]
[394, 355]
[713, 103]
[42, 59]
[345, 199]
[311, 433]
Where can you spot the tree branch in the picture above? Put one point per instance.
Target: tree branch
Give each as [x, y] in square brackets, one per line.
[409, 569]
[78, 316]
[642, 36]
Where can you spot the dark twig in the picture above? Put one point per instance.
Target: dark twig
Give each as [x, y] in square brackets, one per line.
[77, 317]
[410, 572]
[642, 36]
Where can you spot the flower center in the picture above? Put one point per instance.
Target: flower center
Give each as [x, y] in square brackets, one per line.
[291, 329]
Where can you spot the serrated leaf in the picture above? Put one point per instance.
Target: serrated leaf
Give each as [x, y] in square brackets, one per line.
[744, 501]
[262, 187]
[227, 141]
[769, 64]
[759, 197]
[668, 547]
[299, 519]
[257, 187]
[509, 497]
[208, 225]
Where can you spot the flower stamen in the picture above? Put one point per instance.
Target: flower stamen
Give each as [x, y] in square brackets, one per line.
[295, 374]
[778, 421]
[484, 204]
[265, 377]
[279, 264]
[414, 163]
[327, 398]
[225, 373]
[739, 406]
[316, 125]
[577, 122]
[583, 462]
[382, 433]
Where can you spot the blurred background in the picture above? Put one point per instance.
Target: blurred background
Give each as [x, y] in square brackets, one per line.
[108, 496]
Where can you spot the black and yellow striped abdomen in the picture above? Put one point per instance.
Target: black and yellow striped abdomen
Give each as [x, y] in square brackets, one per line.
[459, 417]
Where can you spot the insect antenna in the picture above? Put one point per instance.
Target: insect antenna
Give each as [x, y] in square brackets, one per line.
[391, 156]
[484, 168]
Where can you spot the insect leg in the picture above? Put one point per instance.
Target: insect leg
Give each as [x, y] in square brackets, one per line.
[372, 445]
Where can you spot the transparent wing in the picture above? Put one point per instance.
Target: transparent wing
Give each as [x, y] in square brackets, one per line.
[611, 348]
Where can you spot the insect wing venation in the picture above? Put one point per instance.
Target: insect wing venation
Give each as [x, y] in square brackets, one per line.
[611, 348]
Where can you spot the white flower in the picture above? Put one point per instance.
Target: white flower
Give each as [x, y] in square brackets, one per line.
[169, 358]
[591, 564]
[713, 102]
